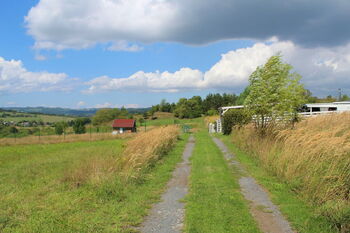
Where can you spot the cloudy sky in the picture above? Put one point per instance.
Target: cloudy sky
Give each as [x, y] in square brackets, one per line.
[106, 53]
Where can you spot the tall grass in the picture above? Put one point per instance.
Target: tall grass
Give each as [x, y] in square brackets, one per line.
[313, 157]
[139, 153]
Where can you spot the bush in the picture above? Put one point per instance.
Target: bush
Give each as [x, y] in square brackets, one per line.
[212, 112]
[79, 126]
[58, 129]
[234, 117]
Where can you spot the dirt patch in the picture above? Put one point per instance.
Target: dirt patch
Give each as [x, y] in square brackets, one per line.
[167, 216]
[267, 215]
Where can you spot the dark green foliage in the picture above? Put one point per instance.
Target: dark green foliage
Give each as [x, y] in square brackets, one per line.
[61, 126]
[212, 112]
[234, 117]
[79, 126]
[189, 108]
[196, 106]
[215, 101]
[242, 96]
[58, 129]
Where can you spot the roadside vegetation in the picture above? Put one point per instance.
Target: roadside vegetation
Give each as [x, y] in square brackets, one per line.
[85, 186]
[302, 214]
[310, 155]
[313, 158]
[214, 203]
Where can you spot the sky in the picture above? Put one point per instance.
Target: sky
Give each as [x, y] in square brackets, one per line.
[133, 53]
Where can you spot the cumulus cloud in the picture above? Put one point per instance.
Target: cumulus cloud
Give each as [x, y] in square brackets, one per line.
[62, 24]
[184, 79]
[322, 69]
[15, 78]
[104, 105]
[81, 104]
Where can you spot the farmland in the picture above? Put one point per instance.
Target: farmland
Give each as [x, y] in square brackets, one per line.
[19, 116]
[93, 182]
[43, 190]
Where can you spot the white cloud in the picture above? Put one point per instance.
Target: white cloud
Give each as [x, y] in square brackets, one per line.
[15, 78]
[184, 79]
[40, 57]
[104, 105]
[124, 46]
[11, 103]
[81, 104]
[63, 24]
[322, 69]
[131, 106]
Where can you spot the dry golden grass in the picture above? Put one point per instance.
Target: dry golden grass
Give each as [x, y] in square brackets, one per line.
[148, 147]
[314, 158]
[139, 153]
[52, 139]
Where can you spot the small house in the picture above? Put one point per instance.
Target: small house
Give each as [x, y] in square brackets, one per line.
[124, 125]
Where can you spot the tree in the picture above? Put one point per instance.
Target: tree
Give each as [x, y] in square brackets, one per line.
[58, 129]
[79, 126]
[61, 126]
[189, 108]
[274, 93]
[145, 115]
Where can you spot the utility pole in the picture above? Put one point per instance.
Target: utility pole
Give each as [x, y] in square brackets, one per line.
[339, 98]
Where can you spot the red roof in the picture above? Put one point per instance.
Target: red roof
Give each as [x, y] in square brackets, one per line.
[123, 123]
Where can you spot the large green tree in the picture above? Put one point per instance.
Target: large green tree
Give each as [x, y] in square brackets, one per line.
[275, 94]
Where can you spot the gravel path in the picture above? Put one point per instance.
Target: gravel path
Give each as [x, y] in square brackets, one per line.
[167, 216]
[267, 215]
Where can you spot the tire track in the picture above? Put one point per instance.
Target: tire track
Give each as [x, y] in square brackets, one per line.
[267, 215]
[167, 216]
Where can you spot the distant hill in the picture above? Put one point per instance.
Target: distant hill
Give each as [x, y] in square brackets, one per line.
[67, 111]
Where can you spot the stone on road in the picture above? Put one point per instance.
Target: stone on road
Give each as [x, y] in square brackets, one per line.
[167, 216]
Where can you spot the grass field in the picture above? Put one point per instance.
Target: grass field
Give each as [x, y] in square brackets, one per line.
[53, 139]
[15, 117]
[302, 215]
[36, 196]
[215, 203]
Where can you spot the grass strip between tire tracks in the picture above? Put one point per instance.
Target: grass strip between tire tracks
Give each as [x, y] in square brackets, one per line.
[215, 203]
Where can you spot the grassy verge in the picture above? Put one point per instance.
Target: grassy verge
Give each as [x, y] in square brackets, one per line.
[215, 203]
[303, 216]
[35, 198]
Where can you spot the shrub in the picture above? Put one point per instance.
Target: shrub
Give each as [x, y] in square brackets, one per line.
[234, 117]
[79, 126]
[58, 129]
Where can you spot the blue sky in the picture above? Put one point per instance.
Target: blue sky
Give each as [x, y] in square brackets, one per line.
[56, 54]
